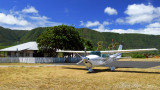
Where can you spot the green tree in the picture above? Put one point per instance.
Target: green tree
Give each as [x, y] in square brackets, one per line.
[100, 45]
[113, 45]
[88, 44]
[59, 37]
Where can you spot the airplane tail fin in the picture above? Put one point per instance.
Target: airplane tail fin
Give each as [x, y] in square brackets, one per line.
[120, 47]
[119, 54]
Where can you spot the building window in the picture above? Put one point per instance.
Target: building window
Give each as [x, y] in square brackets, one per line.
[15, 54]
[9, 54]
[21, 54]
[27, 54]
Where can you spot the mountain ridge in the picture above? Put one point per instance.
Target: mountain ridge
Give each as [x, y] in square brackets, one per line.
[10, 37]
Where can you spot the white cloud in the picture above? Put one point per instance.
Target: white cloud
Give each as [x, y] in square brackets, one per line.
[120, 21]
[82, 23]
[12, 20]
[139, 9]
[91, 24]
[106, 23]
[140, 13]
[110, 11]
[21, 28]
[154, 25]
[30, 9]
[123, 31]
[136, 14]
[39, 17]
[25, 21]
[101, 26]
[151, 29]
[139, 19]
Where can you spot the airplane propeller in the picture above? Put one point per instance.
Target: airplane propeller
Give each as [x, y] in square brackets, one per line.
[80, 61]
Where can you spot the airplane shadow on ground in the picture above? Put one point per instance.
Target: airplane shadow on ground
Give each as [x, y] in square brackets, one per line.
[108, 70]
[94, 70]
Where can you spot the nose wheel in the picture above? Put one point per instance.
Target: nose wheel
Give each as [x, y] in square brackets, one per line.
[112, 68]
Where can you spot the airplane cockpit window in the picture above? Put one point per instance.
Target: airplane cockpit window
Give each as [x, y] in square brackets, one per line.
[104, 55]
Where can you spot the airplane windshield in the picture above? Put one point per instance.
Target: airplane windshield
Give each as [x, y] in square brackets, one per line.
[96, 53]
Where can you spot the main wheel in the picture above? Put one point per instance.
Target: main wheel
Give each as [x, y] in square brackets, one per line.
[112, 68]
[90, 70]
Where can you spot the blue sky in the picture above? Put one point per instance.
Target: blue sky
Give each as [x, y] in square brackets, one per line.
[121, 16]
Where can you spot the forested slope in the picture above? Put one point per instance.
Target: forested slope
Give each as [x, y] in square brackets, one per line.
[130, 41]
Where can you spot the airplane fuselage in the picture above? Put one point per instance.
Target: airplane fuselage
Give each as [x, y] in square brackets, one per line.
[95, 60]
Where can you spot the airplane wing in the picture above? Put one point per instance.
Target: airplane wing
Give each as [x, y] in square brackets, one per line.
[129, 50]
[68, 51]
[111, 51]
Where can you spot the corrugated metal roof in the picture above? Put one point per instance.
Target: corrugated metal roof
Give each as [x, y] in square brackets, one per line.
[21, 47]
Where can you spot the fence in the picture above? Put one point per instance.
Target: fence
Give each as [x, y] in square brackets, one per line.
[38, 60]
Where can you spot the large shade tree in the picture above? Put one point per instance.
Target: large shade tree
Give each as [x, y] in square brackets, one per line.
[61, 37]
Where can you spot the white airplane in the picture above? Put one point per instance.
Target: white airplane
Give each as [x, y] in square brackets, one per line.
[102, 58]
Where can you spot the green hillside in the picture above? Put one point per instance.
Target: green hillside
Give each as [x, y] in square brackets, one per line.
[9, 37]
[130, 41]
[32, 35]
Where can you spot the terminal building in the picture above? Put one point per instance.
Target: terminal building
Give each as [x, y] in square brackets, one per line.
[28, 49]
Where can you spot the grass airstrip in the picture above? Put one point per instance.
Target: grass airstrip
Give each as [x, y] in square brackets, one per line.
[77, 78]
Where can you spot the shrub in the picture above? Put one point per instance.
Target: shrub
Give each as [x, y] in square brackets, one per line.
[138, 56]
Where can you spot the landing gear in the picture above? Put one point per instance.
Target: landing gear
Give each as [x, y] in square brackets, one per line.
[112, 68]
[90, 70]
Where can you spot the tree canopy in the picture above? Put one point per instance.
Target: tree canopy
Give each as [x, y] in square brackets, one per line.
[61, 37]
[100, 45]
[113, 46]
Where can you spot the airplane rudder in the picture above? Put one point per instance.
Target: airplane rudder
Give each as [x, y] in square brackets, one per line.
[120, 47]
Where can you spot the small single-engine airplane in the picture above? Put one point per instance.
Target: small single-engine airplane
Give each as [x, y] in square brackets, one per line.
[103, 58]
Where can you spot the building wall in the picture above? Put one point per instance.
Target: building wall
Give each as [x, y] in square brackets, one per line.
[20, 54]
